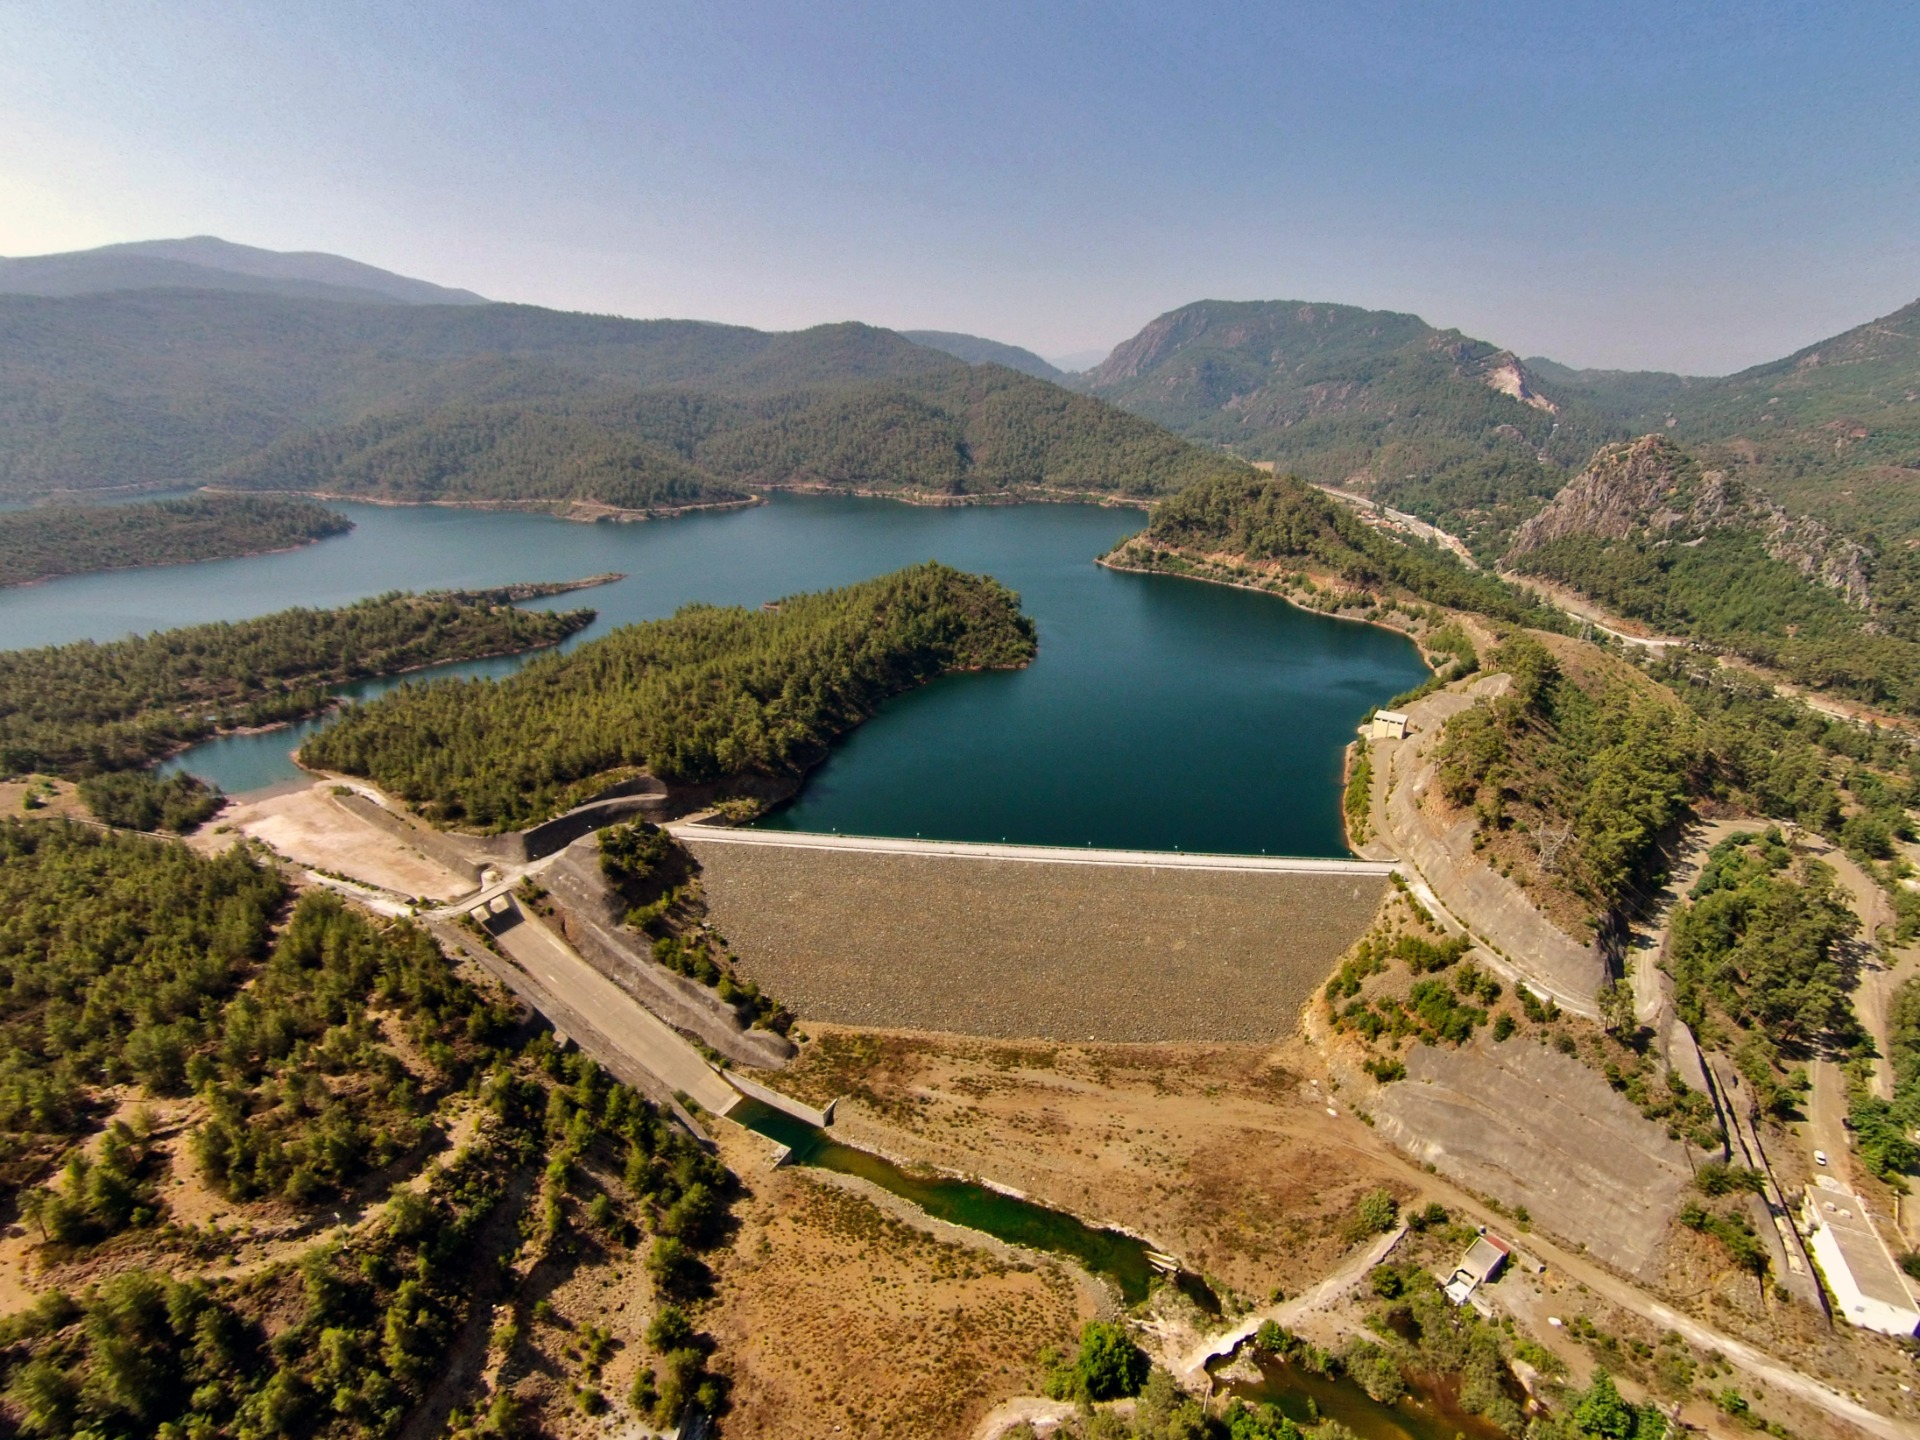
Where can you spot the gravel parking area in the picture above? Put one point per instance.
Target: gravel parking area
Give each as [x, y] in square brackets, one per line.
[1006, 949]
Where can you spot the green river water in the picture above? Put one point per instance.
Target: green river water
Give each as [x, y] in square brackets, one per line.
[1114, 1254]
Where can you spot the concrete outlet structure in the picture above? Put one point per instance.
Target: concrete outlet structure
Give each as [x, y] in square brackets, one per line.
[1868, 1288]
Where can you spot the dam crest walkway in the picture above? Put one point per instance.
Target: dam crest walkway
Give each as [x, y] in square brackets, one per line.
[1030, 854]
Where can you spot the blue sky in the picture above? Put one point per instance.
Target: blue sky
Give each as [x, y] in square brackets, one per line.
[1675, 186]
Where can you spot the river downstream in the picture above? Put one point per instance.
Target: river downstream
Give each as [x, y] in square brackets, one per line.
[1161, 714]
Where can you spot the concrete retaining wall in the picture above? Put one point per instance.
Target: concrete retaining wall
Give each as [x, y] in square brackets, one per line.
[441, 849]
[590, 911]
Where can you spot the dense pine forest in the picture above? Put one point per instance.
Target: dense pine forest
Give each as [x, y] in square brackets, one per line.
[49, 540]
[705, 696]
[1450, 428]
[279, 1061]
[89, 707]
[511, 402]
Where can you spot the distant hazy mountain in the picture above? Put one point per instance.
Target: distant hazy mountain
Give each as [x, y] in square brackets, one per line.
[202, 262]
[1455, 429]
[1079, 360]
[976, 351]
[511, 401]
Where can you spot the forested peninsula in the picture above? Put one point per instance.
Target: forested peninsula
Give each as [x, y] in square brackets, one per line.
[712, 694]
[89, 707]
[1280, 528]
[50, 540]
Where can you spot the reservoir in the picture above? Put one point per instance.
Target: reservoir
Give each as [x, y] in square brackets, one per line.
[1161, 713]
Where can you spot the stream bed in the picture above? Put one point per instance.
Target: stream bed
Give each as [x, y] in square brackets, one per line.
[1112, 1254]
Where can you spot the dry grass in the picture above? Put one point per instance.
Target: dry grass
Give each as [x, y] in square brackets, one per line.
[1224, 1155]
[1012, 949]
[834, 1317]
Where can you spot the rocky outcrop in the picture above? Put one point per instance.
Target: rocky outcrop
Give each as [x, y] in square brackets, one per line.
[1510, 377]
[1626, 489]
[1651, 487]
[1813, 548]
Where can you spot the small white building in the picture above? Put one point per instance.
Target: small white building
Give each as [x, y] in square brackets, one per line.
[1387, 725]
[1481, 1265]
[1868, 1289]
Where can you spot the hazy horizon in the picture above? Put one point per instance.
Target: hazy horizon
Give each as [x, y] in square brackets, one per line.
[1621, 187]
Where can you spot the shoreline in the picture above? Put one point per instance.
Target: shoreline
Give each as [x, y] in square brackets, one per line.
[593, 512]
[1107, 562]
[170, 564]
[933, 500]
[336, 701]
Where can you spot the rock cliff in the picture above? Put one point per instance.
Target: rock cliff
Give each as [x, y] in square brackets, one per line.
[1650, 487]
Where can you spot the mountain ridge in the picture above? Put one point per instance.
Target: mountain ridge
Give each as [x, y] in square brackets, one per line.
[977, 350]
[206, 262]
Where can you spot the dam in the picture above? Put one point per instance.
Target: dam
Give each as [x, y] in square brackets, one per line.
[1033, 942]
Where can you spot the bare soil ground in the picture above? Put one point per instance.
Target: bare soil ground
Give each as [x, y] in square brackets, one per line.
[308, 827]
[836, 1318]
[1223, 1155]
[1011, 949]
[54, 797]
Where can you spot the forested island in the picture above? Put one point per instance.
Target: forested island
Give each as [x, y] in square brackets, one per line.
[49, 540]
[90, 707]
[710, 695]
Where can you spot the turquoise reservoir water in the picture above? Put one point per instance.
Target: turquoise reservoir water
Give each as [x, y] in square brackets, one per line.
[1161, 713]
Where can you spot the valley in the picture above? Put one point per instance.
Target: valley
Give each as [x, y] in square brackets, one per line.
[898, 964]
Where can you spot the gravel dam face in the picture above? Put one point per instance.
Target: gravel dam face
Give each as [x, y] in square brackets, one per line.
[1012, 949]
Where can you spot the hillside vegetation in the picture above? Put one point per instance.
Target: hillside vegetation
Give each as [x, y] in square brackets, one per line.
[976, 350]
[711, 694]
[89, 707]
[1452, 429]
[959, 432]
[49, 540]
[1590, 766]
[295, 1066]
[1832, 429]
[1654, 536]
[511, 402]
[1263, 520]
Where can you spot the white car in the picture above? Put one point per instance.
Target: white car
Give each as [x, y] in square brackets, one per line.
[1819, 1157]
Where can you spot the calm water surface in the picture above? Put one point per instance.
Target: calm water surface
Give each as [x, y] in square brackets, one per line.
[1161, 714]
[1429, 1411]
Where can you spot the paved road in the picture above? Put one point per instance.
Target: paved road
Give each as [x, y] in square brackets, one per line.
[637, 1031]
[1034, 854]
[1827, 1119]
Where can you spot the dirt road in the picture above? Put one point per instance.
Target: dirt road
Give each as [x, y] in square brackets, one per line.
[1289, 1313]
